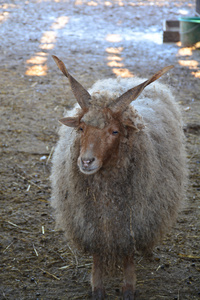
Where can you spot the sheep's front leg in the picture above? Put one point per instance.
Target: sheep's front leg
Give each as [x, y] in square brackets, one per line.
[128, 288]
[98, 291]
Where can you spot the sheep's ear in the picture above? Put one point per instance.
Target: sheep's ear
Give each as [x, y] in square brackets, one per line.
[71, 121]
[129, 123]
[125, 99]
[81, 94]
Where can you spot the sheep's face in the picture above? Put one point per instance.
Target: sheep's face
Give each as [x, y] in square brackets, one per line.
[100, 132]
[98, 147]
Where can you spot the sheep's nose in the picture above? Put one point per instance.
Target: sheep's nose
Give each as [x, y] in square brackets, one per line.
[87, 161]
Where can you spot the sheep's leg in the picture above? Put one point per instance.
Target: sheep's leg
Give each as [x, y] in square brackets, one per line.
[128, 288]
[98, 292]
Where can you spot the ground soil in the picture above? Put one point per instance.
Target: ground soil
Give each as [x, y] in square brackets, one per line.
[96, 39]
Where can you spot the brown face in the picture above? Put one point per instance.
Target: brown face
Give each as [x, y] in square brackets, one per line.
[98, 146]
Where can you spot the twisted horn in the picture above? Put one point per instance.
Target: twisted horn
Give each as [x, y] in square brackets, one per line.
[81, 94]
[125, 99]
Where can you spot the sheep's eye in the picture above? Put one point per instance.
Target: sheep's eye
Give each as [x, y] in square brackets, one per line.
[80, 128]
[115, 132]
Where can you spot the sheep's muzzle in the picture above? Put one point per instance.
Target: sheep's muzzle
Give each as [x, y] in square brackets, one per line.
[89, 165]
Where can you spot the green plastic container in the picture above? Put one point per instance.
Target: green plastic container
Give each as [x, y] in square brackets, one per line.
[189, 30]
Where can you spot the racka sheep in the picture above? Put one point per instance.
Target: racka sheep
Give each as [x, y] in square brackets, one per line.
[118, 172]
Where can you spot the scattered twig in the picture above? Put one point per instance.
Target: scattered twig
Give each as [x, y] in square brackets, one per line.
[7, 247]
[76, 259]
[4, 295]
[18, 227]
[13, 224]
[43, 200]
[29, 181]
[194, 154]
[35, 250]
[73, 266]
[178, 296]
[65, 267]
[144, 281]
[50, 154]
[79, 297]
[188, 256]
[28, 188]
[55, 277]
[158, 268]
[85, 265]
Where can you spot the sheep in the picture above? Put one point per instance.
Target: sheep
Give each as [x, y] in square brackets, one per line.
[118, 173]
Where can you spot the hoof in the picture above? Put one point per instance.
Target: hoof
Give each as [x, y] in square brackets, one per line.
[128, 292]
[98, 294]
[129, 295]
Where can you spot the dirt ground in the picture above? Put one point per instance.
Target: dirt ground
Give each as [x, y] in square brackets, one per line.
[96, 39]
